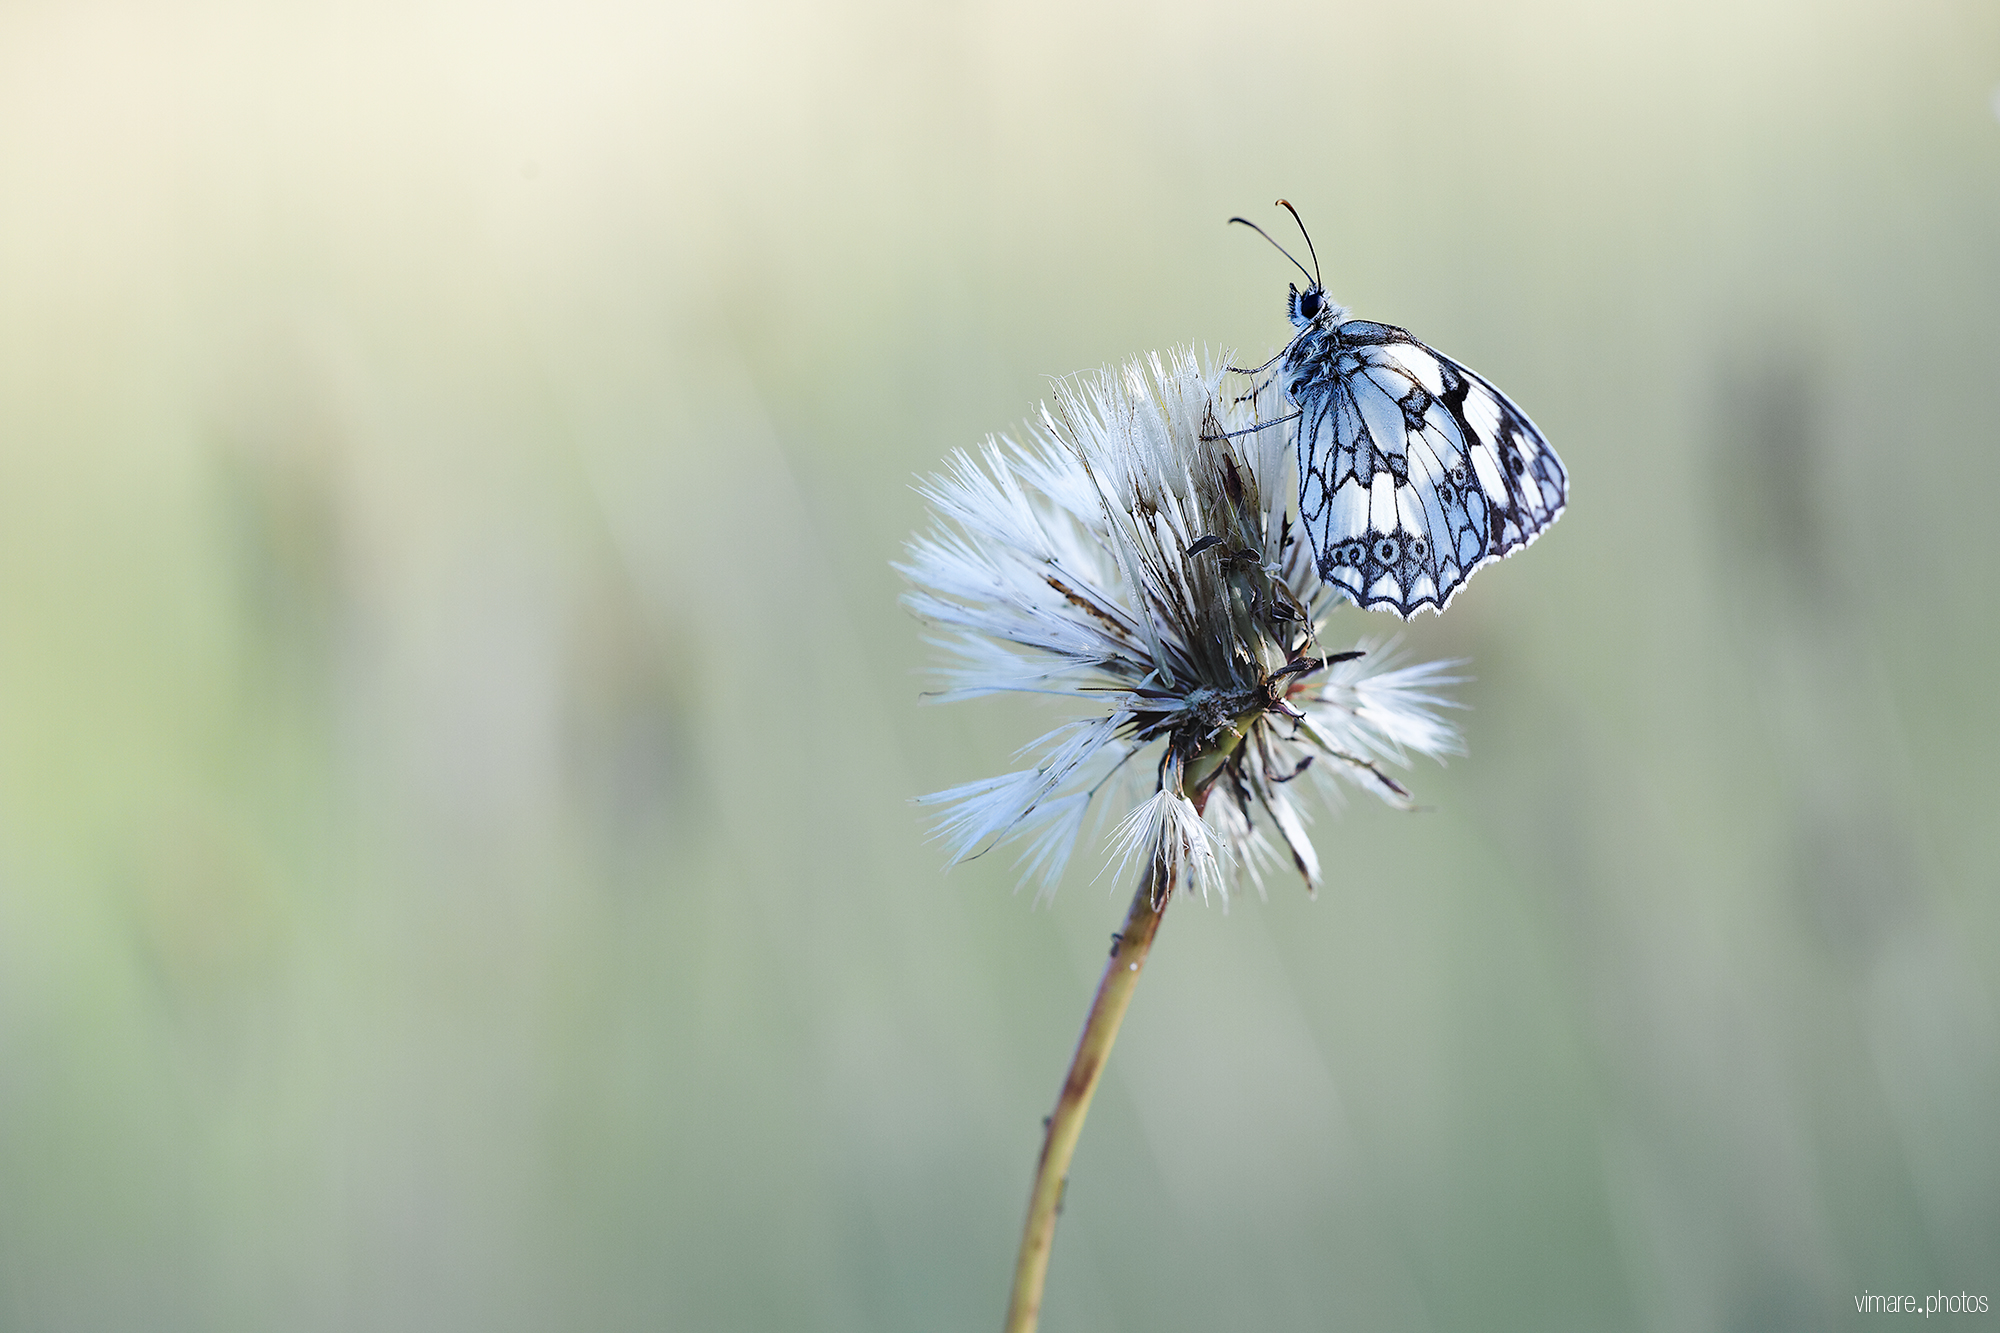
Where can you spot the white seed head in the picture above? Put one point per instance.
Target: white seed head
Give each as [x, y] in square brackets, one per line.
[1135, 552]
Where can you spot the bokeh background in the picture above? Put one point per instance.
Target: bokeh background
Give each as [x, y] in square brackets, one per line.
[457, 729]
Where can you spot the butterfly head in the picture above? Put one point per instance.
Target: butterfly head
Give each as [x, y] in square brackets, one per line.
[1306, 306]
[1312, 308]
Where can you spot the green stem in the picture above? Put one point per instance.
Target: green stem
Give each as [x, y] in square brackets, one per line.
[1100, 1029]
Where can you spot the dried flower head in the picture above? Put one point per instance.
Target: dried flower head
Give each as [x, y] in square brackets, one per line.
[1137, 552]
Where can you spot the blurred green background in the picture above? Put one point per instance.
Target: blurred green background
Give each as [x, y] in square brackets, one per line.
[457, 730]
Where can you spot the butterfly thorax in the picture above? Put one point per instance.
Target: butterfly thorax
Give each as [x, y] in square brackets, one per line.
[1317, 352]
[1316, 347]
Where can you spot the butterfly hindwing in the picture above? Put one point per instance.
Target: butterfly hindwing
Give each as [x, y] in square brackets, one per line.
[1413, 470]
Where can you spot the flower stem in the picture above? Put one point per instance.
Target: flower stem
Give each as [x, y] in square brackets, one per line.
[1100, 1029]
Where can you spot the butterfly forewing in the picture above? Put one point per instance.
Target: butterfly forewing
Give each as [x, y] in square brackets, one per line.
[1413, 471]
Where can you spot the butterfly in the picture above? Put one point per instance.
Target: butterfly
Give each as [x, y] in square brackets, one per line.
[1413, 470]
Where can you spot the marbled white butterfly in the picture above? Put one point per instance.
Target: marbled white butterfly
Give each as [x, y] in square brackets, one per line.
[1413, 471]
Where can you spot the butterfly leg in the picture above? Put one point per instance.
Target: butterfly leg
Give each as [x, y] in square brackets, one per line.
[1258, 370]
[1257, 390]
[1251, 430]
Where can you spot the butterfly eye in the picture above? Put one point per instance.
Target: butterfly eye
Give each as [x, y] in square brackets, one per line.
[1309, 303]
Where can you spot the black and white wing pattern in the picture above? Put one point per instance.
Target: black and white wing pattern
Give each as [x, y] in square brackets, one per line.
[1413, 471]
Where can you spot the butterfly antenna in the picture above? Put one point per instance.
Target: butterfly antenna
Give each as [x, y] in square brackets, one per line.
[1280, 249]
[1286, 204]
